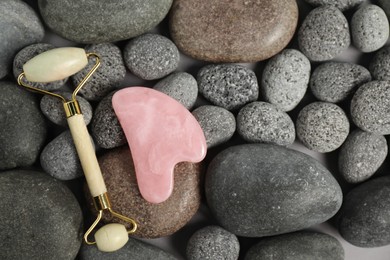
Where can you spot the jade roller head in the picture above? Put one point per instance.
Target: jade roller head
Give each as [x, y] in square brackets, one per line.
[55, 65]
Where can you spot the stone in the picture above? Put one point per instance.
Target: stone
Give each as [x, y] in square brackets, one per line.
[257, 190]
[370, 107]
[213, 242]
[324, 34]
[217, 123]
[20, 26]
[343, 5]
[361, 155]
[246, 31]
[77, 21]
[285, 79]
[23, 127]
[151, 56]
[369, 28]
[180, 86]
[230, 86]
[105, 127]
[154, 220]
[53, 108]
[262, 122]
[107, 77]
[297, 246]
[161, 132]
[322, 127]
[134, 249]
[385, 5]
[380, 64]
[41, 218]
[28, 53]
[111, 237]
[364, 219]
[336, 81]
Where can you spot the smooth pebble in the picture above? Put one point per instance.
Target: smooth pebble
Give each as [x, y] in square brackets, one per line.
[380, 64]
[343, 5]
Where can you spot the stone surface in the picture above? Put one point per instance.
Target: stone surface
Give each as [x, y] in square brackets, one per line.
[262, 122]
[324, 34]
[151, 56]
[41, 218]
[23, 127]
[385, 5]
[380, 64]
[180, 86]
[154, 220]
[217, 123]
[364, 219]
[335, 81]
[370, 107]
[213, 242]
[361, 155]
[20, 26]
[301, 245]
[53, 108]
[108, 76]
[343, 5]
[285, 79]
[241, 31]
[105, 127]
[229, 86]
[257, 190]
[369, 28]
[73, 19]
[322, 126]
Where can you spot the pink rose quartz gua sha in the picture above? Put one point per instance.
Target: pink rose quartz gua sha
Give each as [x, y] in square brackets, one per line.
[161, 132]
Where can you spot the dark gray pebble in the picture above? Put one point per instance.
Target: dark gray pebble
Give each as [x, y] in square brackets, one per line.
[380, 64]
[343, 5]
[385, 4]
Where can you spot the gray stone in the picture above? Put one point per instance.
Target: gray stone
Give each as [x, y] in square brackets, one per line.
[151, 56]
[53, 108]
[380, 64]
[95, 21]
[180, 86]
[105, 127]
[285, 79]
[28, 53]
[385, 4]
[41, 218]
[107, 77]
[370, 107]
[229, 86]
[343, 5]
[262, 122]
[213, 242]
[322, 126]
[324, 34]
[20, 26]
[23, 127]
[361, 155]
[257, 190]
[335, 81]
[297, 246]
[369, 28]
[364, 219]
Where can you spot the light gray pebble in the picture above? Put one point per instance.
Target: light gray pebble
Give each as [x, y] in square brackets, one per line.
[213, 242]
[180, 86]
[105, 127]
[361, 155]
[53, 108]
[151, 56]
[285, 79]
[369, 28]
[217, 123]
[380, 64]
[335, 81]
[324, 34]
[229, 86]
[265, 123]
[343, 5]
[370, 107]
[20, 26]
[322, 126]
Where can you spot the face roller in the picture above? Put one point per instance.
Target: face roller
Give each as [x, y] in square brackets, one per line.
[55, 65]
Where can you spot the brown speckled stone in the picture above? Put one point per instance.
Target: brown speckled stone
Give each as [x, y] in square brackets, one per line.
[154, 220]
[233, 30]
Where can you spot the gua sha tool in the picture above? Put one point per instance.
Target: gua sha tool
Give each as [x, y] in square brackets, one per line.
[55, 65]
[161, 132]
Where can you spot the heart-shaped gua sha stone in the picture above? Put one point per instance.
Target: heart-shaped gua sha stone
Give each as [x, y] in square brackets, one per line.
[161, 132]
